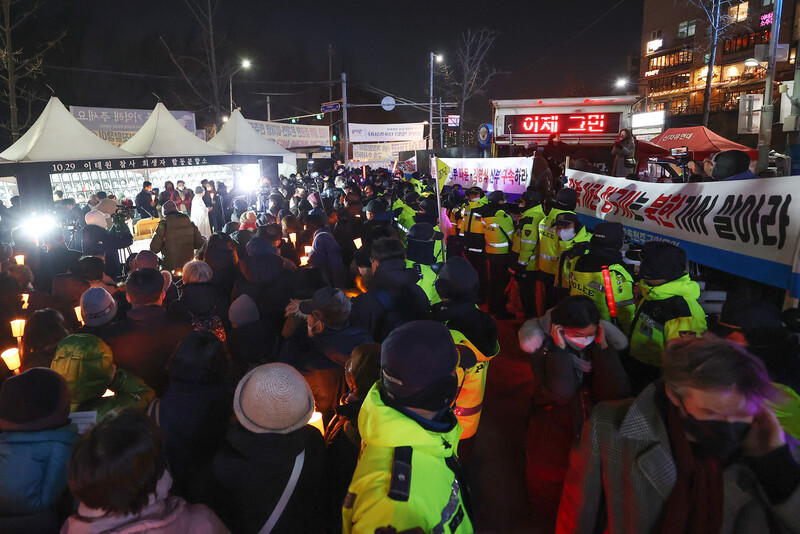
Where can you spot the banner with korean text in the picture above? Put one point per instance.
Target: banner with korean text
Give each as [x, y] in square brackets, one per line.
[371, 133]
[384, 151]
[292, 135]
[749, 228]
[117, 125]
[510, 175]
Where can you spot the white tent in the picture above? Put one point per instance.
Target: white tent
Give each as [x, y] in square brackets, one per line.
[163, 136]
[58, 136]
[238, 137]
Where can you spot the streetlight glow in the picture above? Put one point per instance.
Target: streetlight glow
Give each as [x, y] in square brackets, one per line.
[621, 82]
[751, 62]
[439, 58]
[246, 64]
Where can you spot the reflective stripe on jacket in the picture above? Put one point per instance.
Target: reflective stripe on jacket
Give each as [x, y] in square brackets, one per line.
[469, 401]
[498, 230]
[549, 249]
[591, 284]
[526, 238]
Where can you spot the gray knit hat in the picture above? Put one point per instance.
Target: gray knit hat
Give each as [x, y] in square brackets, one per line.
[273, 398]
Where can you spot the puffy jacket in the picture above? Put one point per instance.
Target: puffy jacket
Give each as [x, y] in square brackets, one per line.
[526, 238]
[426, 280]
[469, 402]
[591, 284]
[470, 227]
[86, 363]
[666, 312]
[570, 252]
[176, 238]
[33, 468]
[405, 220]
[498, 229]
[549, 243]
[433, 500]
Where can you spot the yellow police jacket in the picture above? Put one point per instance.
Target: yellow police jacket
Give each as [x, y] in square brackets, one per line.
[526, 238]
[498, 230]
[592, 284]
[469, 401]
[549, 248]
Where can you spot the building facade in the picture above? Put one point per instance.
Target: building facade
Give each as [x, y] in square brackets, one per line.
[676, 48]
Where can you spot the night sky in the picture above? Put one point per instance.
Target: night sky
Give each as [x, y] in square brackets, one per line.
[547, 48]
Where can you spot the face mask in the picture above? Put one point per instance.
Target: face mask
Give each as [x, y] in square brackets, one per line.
[436, 397]
[579, 342]
[721, 439]
[566, 235]
[311, 332]
[181, 188]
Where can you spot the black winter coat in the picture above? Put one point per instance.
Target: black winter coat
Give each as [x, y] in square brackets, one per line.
[97, 241]
[251, 472]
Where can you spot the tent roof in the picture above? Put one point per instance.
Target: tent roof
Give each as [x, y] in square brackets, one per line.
[56, 136]
[163, 136]
[238, 137]
[699, 140]
[650, 150]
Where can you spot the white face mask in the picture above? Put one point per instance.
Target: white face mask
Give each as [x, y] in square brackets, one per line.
[566, 235]
[311, 328]
[181, 188]
[579, 342]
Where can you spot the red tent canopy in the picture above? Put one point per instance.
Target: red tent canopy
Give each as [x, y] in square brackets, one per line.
[646, 149]
[700, 141]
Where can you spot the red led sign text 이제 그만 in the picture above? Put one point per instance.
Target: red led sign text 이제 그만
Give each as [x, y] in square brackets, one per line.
[563, 123]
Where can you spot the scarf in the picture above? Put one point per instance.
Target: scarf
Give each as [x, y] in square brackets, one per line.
[695, 505]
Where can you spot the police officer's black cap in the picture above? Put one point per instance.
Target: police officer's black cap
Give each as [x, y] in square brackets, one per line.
[662, 261]
[531, 197]
[411, 197]
[747, 315]
[496, 196]
[608, 235]
[457, 278]
[429, 205]
[565, 219]
[475, 190]
[566, 199]
[375, 206]
[423, 231]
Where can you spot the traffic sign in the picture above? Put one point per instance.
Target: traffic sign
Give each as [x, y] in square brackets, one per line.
[388, 103]
[329, 107]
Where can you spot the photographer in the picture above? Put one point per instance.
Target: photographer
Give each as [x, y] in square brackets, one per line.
[97, 241]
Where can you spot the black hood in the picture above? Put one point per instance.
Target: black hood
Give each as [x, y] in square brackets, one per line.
[263, 268]
[392, 274]
[200, 298]
[269, 448]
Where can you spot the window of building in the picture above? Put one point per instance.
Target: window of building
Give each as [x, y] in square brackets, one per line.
[668, 83]
[738, 12]
[745, 42]
[655, 35]
[680, 57]
[767, 2]
[687, 28]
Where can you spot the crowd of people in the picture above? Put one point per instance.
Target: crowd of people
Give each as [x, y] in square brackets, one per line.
[316, 361]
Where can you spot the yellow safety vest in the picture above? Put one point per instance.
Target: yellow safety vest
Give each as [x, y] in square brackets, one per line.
[426, 281]
[471, 223]
[526, 238]
[549, 249]
[592, 285]
[584, 236]
[498, 230]
[469, 401]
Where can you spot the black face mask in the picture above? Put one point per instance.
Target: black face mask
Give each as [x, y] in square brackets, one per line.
[721, 439]
[437, 396]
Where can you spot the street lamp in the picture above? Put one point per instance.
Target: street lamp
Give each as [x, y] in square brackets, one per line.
[437, 59]
[245, 65]
[621, 82]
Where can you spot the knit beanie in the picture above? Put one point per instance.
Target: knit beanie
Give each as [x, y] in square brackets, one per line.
[98, 218]
[37, 399]
[169, 207]
[243, 311]
[273, 398]
[98, 307]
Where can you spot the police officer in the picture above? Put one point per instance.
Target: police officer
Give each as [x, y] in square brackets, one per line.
[585, 274]
[550, 248]
[668, 310]
[498, 227]
[473, 240]
[421, 256]
[573, 242]
[408, 475]
[525, 241]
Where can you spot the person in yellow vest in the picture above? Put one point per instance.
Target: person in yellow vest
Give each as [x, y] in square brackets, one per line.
[498, 227]
[416, 183]
[573, 242]
[429, 213]
[473, 241]
[420, 256]
[457, 285]
[408, 476]
[525, 246]
[668, 310]
[550, 249]
[585, 274]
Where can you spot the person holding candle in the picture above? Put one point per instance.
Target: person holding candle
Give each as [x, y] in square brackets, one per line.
[35, 444]
[271, 450]
[44, 330]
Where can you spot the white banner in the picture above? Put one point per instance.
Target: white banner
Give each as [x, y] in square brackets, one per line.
[370, 133]
[749, 227]
[384, 151]
[510, 175]
[117, 125]
[292, 135]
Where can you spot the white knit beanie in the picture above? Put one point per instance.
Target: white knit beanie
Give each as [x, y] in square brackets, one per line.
[273, 398]
[96, 217]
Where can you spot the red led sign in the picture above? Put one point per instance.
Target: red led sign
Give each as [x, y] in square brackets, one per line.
[563, 123]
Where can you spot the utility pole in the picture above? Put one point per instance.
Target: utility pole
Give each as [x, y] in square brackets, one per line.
[765, 128]
[330, 74]
[430, 118]
[441, 125]
[345, 136]
[269, 108]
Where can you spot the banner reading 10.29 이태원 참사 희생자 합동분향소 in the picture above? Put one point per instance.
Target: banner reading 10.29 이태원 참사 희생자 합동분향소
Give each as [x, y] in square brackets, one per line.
[749, 228]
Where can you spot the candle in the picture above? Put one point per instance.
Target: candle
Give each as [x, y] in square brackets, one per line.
[79, 314]
[293, 237]
[303, 260]
[25, 298]
[177, 272]
[316, 422]
[357, 242]
[20, 259]
[307, 249]
[11, 359]
[108, 393]
[18, 328]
